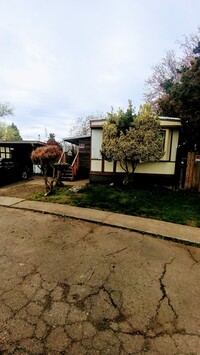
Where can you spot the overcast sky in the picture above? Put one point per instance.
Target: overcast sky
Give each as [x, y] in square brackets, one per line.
[64, 59]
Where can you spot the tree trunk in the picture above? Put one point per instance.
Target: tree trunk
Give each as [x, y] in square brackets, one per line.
[44, 170]
[49, 182]
[128, 179]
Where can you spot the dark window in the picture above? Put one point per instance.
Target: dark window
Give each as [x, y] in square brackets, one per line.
[163, 134]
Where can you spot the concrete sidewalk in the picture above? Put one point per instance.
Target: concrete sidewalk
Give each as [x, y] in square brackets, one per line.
[165, 230]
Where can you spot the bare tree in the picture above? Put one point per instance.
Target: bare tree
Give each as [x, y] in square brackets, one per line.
[81, 126]
[190, 42]
[5, 109]
[170, 68]
[167, 69]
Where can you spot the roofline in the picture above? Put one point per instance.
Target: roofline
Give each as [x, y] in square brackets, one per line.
[170, 122]
[22, 142]
[163, 118]
[76, 137]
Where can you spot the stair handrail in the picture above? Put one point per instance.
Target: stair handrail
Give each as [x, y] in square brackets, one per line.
[75, 165]
[61, 158]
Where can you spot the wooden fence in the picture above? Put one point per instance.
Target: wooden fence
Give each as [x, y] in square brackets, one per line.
[192, 177]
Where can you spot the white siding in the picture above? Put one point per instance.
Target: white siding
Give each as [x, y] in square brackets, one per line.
[161, 168]
[108, 166]
[165, 168]
[96, 165]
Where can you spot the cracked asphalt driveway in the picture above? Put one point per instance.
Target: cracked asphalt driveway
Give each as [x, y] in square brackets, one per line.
[71, 287]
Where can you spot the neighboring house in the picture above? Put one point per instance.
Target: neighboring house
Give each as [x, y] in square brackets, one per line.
[15, 159]
[164, 170]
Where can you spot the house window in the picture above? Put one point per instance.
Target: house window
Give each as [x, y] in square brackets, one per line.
[163, 134]
[5, 153]
[96, 148]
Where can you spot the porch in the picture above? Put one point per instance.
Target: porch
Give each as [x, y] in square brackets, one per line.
[74, 163]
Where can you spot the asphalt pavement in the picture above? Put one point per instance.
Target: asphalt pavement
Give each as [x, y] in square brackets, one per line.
[71, 287]
[164, 230]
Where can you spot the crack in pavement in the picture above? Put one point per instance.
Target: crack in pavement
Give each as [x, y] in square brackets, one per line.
[164, 292]
[192, 256]
[116, 252]
[86, 300]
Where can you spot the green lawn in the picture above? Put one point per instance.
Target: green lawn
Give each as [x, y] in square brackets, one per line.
[181, 207]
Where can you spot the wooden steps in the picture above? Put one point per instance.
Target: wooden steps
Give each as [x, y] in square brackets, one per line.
[67, 174]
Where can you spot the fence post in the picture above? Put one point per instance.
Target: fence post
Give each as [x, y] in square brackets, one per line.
[192, 178]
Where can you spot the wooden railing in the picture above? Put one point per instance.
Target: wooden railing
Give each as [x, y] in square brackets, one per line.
[62, 158]
[75, 166]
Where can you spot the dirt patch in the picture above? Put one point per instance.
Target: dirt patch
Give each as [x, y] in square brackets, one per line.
[23, 189]
[30, 187]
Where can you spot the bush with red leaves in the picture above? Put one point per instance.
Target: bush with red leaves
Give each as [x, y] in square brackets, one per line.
[46, 157]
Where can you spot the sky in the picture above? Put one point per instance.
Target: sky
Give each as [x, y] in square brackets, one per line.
[65, 59]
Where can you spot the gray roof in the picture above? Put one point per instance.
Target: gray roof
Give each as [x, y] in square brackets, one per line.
[76, 139]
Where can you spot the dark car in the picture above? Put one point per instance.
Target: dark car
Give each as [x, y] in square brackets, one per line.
[10, 171]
